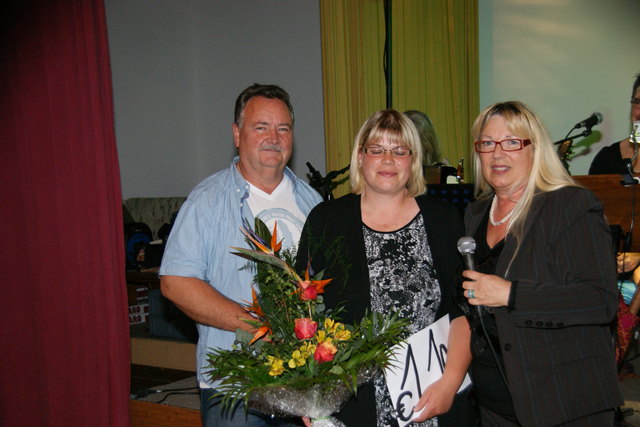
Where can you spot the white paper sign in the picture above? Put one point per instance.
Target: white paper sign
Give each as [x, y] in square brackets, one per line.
[419, 362]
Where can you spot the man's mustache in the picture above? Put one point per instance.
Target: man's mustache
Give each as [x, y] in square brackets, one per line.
[271, 147]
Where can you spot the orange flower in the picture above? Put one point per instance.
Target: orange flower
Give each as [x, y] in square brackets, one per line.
[254, 307]
[325, 352]
[309, 289]
[275, 245]
[255, 310]
[261, 333]
[261, 244]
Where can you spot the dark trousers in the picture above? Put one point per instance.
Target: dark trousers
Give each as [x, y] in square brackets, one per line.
[599, 419]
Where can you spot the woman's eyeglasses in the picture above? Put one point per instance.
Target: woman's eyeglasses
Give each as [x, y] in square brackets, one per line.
[510, 144]
[378, 151]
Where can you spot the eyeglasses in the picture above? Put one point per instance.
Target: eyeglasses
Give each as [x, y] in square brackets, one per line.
[635, 101]
[378, 151]
[509, 144]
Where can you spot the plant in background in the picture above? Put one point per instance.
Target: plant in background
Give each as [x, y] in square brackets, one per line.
[301, 361]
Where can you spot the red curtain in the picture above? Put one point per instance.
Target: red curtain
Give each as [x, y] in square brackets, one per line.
[63, 320]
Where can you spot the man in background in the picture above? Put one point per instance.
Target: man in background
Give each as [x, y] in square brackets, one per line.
[199, 273]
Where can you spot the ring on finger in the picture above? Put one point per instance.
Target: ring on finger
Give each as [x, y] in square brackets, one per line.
[472, 294]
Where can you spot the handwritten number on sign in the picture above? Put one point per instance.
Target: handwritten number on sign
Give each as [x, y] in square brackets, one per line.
[409, 364]
[439, 352]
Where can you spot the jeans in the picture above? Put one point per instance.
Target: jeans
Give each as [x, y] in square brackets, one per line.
[214, 416]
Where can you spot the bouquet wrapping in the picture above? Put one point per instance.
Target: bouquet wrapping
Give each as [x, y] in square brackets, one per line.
[301, 360]
[317, 401]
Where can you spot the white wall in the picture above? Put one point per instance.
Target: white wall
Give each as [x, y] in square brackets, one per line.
[178, 66]
[566, 59]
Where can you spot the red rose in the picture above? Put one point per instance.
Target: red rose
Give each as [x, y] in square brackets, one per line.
[305, 328]
[324, 352]
[309, 294]
[309, 289]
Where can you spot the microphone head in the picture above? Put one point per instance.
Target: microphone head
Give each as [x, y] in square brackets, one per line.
[599, 116]
[466, 245]
[591, 121]
[635, 133]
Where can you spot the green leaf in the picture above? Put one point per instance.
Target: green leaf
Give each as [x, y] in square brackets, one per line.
[337, 370]
[243, 336]
[262, 256]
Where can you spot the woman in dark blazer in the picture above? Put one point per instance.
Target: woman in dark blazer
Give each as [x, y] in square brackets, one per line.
[544, 296]
[389, 248]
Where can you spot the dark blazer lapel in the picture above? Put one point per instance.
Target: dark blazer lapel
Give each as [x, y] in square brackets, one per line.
[474, 215]
[510, 243]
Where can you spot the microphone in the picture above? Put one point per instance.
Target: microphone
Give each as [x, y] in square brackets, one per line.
[467, 248]
[589, 122]
[316, 178]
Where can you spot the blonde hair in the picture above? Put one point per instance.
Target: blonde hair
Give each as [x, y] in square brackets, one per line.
[398, 127]
[547, 171]
[428, 139]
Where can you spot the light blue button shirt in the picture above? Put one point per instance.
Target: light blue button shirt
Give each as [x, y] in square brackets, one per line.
[200, 242]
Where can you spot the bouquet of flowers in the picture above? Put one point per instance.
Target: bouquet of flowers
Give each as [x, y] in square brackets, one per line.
[301, 361]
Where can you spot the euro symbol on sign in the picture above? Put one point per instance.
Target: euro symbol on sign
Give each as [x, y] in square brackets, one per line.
[400, 406]
[410, 366]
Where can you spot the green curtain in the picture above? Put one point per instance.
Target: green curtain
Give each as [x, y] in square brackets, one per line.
[434, 68]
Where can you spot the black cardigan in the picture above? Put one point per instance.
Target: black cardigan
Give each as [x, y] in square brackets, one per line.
[335, 228]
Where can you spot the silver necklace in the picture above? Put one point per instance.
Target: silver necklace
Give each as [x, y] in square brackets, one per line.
[503, 220]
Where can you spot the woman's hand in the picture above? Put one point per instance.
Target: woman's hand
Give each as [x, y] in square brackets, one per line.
[436, 399]
[486, 289]
[628, 261]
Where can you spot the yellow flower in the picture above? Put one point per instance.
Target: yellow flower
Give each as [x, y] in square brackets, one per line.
[336, 329]
[328, 325]
[322, 337]
[342, 334]
[276, 365]
[297, 359]
[305, 351]
[311, 348]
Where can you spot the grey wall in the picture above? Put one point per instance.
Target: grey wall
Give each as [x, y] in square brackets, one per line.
[566, 59]
[177, 69]
[178, 66]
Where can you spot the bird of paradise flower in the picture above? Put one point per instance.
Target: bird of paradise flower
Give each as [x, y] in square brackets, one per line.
[307, 289]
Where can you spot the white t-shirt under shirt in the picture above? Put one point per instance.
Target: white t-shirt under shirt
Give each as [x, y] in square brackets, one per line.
[278, 206]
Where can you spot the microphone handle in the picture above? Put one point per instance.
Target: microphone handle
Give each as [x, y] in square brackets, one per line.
[469, 260]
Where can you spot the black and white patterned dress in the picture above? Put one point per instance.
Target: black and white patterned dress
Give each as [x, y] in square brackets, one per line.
[403, 280]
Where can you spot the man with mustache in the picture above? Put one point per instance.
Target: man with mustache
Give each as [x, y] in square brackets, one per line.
[199, 273]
